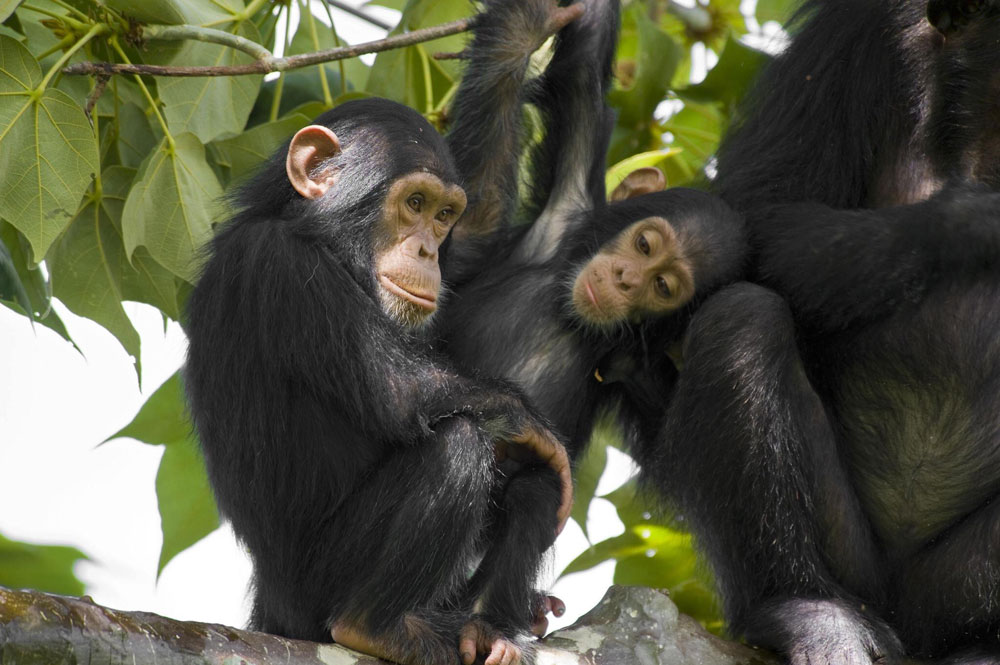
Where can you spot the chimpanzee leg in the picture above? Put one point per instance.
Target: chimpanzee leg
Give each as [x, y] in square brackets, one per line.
[954, 586]
[407, 539]
[524, 526]
[502, 591]
[751, 461]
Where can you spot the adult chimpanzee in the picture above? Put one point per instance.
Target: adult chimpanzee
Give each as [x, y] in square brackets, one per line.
[555, 305]
[835, 442]
[358, 469]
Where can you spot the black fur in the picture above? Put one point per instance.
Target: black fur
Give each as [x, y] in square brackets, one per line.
[512, 315]
[357, 468]
[835, 437]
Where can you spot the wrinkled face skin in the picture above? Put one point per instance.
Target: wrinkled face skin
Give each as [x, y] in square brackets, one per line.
[419, 211]
[642, 270]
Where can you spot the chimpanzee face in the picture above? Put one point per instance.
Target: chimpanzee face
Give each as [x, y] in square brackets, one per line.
[642, 270]
[419, 211]
[416, 216]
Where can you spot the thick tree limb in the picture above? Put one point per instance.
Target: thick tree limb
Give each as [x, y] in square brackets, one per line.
[632, 625]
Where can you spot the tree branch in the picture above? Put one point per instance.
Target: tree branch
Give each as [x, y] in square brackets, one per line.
[631, 625]
[270, 64]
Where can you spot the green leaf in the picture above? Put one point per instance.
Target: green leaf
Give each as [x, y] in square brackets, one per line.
[586, 475]
[210, 107]
[775, 10]
[7, 8]
[89, 260]
[173, 12]
[187, 509]
[171, 207]
[43, 567]
[162, 419]
[696, 129]
[730, 78]
[402, 74]
[11, 287]
[134, 135]
[151, 283]
[656, 57]
[48, 152]
[631, 511]
[409, 76]
[617, 173]
[245, 152]
[391, 4]
[34, 282]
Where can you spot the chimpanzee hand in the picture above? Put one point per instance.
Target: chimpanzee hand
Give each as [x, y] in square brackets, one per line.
[534, 443]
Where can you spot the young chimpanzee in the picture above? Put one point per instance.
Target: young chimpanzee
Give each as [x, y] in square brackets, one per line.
[835, 442]
[358, 469]
[562, 306]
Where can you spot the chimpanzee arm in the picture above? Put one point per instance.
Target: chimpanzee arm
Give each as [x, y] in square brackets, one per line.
[842, 267]
[486, 137]
[567, 174]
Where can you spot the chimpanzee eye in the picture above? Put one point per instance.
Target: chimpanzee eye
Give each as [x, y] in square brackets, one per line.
[445, 215]
[415, 202]
[642, 244]
[662, 287]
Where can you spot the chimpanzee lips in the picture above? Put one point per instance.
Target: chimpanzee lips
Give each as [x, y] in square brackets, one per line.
[427, 301]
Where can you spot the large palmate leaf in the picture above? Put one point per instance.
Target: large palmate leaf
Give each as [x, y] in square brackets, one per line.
[187, 509]
[210, 107]
[7, 8]
[248, 150]
[48, 152]
[88, 261]
[731, 77]
[172, 204]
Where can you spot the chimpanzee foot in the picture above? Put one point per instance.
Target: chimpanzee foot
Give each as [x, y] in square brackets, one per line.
[545, 605]
[479, 637]
[414, 643]
[824, 632]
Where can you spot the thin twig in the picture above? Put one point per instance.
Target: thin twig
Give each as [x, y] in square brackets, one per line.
[272, 64]
[102, 82]
[364, 16]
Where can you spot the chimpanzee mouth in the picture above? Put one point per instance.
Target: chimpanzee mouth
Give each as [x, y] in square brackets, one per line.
[425, 301]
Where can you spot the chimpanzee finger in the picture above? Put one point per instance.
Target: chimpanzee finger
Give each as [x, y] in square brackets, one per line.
[468, 643]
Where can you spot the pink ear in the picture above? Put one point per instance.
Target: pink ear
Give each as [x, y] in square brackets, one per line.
[641, 181]
[310, 147]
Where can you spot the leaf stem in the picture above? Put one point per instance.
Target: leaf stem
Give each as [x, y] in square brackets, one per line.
[60, 45]
[149, 97]
[98, 29]
[198, 33]
[73, 10]
[336, 41]
[305, 7]
[255, 7]
[46, 12]
[279, 86]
